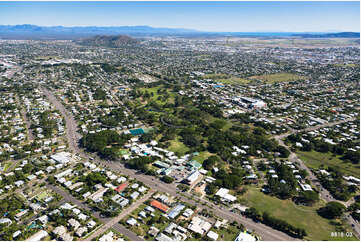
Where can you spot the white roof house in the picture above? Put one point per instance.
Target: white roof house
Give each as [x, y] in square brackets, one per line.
[199, 225]
[212, 235]
[193, 177]
[61, 157]
[243, 236]
[38, 236]
[224, 195]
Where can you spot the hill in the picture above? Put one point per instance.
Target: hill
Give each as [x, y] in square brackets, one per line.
[109, 41]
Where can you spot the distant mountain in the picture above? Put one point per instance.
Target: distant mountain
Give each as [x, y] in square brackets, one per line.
[330, 35]
[109, 41]
[27, 31]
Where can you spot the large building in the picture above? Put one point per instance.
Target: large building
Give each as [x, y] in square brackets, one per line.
[251, 103]
[192, 177]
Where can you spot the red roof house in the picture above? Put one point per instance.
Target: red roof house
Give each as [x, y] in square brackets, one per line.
[159, 205]
[121, 187]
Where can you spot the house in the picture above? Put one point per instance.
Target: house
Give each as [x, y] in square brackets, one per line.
[86, 195]
[225, 196]
[188, 212]
[38, 236]
[74, 224]
[121, 179]
[142, 189]
[175, 211]
[159, 205]
[60, 230]
[134, 195]
[67, 206]
[199, 225]
[98, 194]
[305, 187]
[91, 224]
[170, 227]
[43, 219]
[149, 209]
[108, 237]
[76, 211]
[31, 177]
[132, 221]
[163, 237]
[121, 187]
[19, 183]
[20, 214]
[153, 231]
[82, 216]
[212, 235]
[81, 231]
[142, 214]
[64, 173]
[244, 236]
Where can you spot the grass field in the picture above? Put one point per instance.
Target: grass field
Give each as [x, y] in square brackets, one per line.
[202, 156]
[278, 77]
[156, 95]
[178, 147]
[315, 159]
[226, 79]
[316, 227]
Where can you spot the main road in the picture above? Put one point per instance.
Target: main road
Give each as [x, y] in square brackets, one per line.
[267, 233]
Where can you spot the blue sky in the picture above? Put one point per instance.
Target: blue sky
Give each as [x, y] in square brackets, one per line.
[207, 16]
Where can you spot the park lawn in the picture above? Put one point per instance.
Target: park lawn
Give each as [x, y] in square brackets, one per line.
[317, 228]
[156, 95]
[234, 80]
[314, 159]
[178, 147]
[227, 79]
[202, 156]
[278, 77]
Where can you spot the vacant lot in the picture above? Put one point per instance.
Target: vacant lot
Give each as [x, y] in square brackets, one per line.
[278, 77]
[316, 227]
[316, 159]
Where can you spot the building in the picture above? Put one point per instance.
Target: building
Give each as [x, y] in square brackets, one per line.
[159, 205]
[163, 237]
[61, 157]
[192, 177]
[244, 236]
[38, 236]
[175, 211]
[212, 235]
[225, 196]
[199, 225]
[121, 187]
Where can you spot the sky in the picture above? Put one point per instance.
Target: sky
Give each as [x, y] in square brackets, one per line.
[205, 16]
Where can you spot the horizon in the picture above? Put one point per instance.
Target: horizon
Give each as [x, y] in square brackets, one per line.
[294, 17]
[156, 27]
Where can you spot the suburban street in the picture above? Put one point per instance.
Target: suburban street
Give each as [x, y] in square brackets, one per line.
[267, 233]
[324, 193]
[107, 222]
